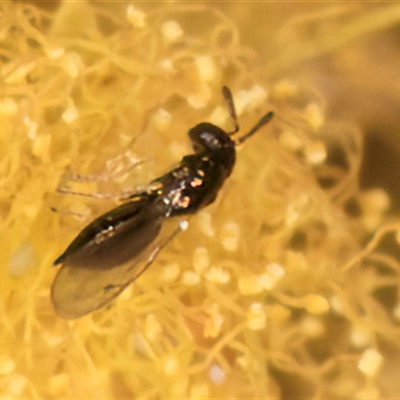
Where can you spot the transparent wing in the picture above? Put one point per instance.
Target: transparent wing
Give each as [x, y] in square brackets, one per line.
[108, 255]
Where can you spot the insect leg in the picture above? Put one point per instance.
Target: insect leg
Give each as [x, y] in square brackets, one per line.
[119, 196]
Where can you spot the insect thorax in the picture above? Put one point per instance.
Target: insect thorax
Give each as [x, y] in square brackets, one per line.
[195, 182]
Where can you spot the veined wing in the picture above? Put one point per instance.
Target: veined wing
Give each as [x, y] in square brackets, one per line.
[109, 254]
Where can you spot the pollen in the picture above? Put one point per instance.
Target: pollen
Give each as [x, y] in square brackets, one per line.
[170, 272]
[7, 364]
[199, 391]
[361, 336]
[370, 362]
[316, 153]
[41, 146]
[171, 31]
[218, 275]
[205, 223]
[70, 114]
[206, 67]
[230, 236]
[152, 327]
[314, 115]
[290, 140]
[201, 260]
[184, 202]
[272, 275]
[196, 182]
[15, 384]
[214, 322]
[55, 52]
[312, 327]
[167, 65]
[73, 65]
[135, 17]
[171, 366]
[200, 98]
[316, 304]
[249, 284]
[59, 383]
[256, 317]
[218, 116]
[190, 278]
[217, 375]
[8, 106]
[162, 119]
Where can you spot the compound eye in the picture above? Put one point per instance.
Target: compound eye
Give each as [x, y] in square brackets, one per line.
[206, 136]
[210, 141]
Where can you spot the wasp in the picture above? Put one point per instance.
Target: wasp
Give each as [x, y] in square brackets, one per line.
[117, 247]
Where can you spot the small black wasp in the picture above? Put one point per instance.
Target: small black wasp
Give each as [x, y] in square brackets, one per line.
[117, 247]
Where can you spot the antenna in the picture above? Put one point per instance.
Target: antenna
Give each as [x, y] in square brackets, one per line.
[232, 112]
[231, 108]
[263, 120]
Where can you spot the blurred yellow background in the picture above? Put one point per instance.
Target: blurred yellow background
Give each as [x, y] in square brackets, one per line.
[287, 286]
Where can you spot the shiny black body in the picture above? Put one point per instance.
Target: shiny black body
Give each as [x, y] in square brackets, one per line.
[196, 181]
[111, 249]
